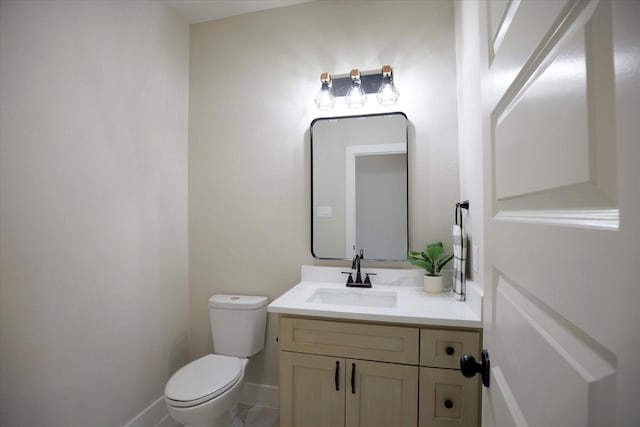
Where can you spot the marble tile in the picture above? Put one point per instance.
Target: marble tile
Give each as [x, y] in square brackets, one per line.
[258, 416]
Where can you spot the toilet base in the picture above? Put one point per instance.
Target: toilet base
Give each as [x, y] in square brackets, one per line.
[224, 420]
[228, 419]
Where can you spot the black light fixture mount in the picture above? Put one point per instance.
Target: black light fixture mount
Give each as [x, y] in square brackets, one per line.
[370, 83]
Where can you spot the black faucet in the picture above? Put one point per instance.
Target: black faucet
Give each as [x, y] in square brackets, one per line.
[355, 265]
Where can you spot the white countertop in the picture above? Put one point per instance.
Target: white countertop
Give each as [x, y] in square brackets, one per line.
[413, 306]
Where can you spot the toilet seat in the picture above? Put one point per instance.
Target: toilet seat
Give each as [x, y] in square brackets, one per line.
[202, 380]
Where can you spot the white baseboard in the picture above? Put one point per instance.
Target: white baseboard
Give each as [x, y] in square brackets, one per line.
[168, 422]
[154, 415]
[261, 395]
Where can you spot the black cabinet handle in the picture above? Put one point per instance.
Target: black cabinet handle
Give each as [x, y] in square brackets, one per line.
[353, 378]
[337, 375]
[450, 350]
[448, 404]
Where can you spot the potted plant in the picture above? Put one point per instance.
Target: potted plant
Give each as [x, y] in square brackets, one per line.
[432, 259]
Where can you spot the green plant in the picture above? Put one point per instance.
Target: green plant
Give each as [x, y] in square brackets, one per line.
[433, 259]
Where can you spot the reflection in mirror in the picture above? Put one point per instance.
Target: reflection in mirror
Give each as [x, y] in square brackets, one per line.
[359, 192]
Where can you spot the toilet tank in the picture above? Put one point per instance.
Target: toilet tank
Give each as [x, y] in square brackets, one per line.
[238, 324]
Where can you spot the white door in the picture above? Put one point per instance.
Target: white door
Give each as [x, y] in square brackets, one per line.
[561, 143]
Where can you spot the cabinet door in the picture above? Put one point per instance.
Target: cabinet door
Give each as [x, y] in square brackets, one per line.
[312, 390]
[381, 394]
[448, 399]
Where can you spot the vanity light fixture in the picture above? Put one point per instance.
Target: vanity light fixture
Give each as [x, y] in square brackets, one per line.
[325, 99]
[355, 88]
[388, 93]
[356, 98]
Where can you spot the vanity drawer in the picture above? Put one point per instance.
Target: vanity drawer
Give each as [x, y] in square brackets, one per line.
[441, 348]
[383, 343]
[448, 399]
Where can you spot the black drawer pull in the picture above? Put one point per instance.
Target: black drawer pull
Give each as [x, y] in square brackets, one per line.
[353, 378]
[337, 375]
[450, 350]
[448, 404]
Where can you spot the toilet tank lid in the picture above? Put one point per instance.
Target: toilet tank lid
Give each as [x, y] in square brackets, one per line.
[237, 302]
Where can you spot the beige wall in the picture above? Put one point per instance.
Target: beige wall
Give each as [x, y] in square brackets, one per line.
[93, 209]
[470, 130]
[253, 79]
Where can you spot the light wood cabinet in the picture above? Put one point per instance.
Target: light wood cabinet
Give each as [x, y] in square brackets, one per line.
[336, 373]
[311, 390]
[320, 391]
[442, 348]
[446, 397]
[383, 394]
[384, 343]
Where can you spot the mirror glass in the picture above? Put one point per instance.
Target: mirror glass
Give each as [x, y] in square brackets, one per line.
[359, 192]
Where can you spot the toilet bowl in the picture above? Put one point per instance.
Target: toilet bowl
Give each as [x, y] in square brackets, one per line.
[206, 392]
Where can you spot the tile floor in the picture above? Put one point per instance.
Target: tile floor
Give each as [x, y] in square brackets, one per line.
[251, 416]
[258, 416]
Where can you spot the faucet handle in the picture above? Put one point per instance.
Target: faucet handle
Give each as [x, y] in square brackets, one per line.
[350, 279]
[367, 281]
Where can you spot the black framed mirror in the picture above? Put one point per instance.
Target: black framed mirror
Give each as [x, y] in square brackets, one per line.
[359, 187]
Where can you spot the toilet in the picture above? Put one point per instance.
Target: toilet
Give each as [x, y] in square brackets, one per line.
[206, 391]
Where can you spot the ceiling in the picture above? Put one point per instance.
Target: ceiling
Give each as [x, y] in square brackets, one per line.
[195, 11]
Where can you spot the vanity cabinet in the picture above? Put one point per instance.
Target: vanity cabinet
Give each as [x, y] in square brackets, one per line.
[331, 391]
[347, 374]
[340, 373]
[446, 397]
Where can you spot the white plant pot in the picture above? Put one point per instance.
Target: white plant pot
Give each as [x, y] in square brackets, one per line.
[433, 284]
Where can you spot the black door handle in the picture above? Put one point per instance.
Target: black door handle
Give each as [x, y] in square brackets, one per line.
[337, 375]
[469, 366]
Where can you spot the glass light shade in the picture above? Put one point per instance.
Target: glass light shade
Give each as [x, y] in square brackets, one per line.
[356, 98]
[388, 93]
[325, 100]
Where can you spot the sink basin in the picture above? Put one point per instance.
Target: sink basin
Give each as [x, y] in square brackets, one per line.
[354, 297]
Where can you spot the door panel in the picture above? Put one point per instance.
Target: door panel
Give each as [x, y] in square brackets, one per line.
[535, 347]
[553, 128]
[517, 36]
[545, 124]
[562, 210]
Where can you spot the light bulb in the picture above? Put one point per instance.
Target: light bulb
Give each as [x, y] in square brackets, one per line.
[325, 99]
[388, 93]
[356, 98]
